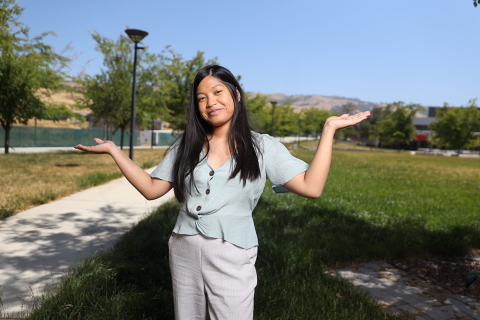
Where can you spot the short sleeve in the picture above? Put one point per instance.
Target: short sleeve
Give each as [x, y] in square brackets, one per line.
[164, 170]
[280, 165]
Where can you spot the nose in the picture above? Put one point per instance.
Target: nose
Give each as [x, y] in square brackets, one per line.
[211, 101]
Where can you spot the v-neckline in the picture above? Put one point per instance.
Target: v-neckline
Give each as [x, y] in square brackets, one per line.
[208, 161]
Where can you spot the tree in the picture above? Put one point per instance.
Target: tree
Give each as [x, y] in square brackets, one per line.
[314, 119]
[396, 123]
[152, 99]
[455, 126]
[258, 111]
[476, 2]
[109, 93]
[366, 128]
[29, 69]
[176, 78]
[286, 120]
[348, 107]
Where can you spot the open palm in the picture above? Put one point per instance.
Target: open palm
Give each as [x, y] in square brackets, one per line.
[346, 120]
[102, 147]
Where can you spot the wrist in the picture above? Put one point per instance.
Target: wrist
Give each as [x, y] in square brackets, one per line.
[328, 130]
[113, 149]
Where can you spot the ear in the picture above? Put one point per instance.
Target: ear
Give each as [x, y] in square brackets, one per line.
[238, 95]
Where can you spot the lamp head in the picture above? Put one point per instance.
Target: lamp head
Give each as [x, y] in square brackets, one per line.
[136, 35]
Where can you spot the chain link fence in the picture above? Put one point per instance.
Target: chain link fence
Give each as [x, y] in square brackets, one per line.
[22, 136]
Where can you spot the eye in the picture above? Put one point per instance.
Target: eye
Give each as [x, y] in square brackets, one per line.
[218, 91]
[200, 99]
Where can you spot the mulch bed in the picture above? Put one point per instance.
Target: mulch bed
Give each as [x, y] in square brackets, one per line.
[446, 272]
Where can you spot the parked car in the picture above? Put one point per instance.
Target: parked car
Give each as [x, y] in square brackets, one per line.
[466, 152]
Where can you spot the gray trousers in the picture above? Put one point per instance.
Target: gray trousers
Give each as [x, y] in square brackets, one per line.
[212, 278]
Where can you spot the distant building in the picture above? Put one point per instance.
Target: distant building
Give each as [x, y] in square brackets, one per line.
[423, 123]
[423, 130]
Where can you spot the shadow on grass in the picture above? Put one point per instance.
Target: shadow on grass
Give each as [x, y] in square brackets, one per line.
[298, 239]
[131, 281]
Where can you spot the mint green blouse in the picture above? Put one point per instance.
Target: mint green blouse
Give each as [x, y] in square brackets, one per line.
[222, 208]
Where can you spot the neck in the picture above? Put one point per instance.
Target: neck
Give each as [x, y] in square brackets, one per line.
[221, 133]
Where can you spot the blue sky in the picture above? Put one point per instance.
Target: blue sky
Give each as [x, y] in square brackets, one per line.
[421, 51]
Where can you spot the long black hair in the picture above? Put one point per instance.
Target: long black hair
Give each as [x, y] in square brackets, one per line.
[243, 147]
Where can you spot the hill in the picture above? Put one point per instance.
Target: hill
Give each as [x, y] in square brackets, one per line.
[331, 103]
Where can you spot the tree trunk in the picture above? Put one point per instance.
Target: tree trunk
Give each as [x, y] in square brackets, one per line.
[7, 128]
[103, 127]
[121, 139]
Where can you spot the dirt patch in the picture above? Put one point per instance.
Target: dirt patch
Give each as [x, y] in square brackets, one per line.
[446, 272]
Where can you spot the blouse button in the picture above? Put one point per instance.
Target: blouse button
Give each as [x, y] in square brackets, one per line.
[199, 208]
[208, 191]
[212, 173]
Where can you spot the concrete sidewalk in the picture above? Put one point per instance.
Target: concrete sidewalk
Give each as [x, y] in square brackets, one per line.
[402, 294]
[37, 245]
[63, 149]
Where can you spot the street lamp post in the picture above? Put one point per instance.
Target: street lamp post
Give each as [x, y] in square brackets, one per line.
[153, 123]
[274, 103]
[136, 36]
[299, 132]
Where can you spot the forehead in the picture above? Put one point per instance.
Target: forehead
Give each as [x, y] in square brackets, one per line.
[207, 84]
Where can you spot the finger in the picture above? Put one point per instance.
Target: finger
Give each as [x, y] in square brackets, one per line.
[99, 141]
[83, 148]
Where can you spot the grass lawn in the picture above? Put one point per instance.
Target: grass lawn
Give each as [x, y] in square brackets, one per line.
[375, 206]
[344, 145]
[27, 180]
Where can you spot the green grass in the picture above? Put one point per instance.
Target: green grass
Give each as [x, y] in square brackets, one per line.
[375, 206]
[133, 280]
[394, 205]
[27, 180]
[9, 208]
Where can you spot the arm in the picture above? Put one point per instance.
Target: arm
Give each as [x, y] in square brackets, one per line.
[310, 183]
[150, 188]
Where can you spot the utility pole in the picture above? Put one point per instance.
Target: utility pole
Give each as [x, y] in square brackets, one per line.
[274, 103]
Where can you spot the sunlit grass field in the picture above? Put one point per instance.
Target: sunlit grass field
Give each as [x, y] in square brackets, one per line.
[32, 179]
[375, 206]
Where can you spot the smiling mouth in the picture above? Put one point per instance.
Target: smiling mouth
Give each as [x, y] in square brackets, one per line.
[214, 112]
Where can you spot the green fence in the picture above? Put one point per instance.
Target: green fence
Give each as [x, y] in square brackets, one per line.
[165, 139]
[21, 136]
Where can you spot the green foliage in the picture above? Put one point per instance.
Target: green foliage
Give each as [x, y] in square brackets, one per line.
[287, 121]
[366, 128]
[314, 119]
[151, 95]
[109, 93]
[475, 3]
[396, 123]
[28, 69]
[55, 112]
[259, 115]
[455, 126]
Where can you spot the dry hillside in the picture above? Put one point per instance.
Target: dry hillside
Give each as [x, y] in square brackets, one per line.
[321, 102]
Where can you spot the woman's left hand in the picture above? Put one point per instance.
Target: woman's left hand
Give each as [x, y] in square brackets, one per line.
[346, 120]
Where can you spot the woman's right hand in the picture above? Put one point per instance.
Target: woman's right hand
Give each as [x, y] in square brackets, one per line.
[102, 147]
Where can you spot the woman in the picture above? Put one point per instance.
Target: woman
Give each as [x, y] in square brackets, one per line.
[218, 168]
